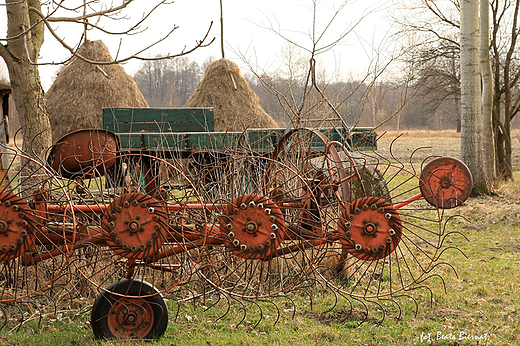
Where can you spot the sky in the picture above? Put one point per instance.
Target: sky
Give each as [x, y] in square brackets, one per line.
[252, 29]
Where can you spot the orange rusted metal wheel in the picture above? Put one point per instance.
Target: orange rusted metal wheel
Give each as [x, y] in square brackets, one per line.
[129, 309]
[136, 224]
[37, 227]
[446, 182]
[255, 224]
[372, 228]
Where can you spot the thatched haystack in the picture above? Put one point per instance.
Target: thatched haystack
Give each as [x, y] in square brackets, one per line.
[236, 106]
[80, 91]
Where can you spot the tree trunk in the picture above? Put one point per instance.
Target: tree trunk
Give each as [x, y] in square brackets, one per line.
[471, 106]
[20, 55]
[487, 94]
[506, 166]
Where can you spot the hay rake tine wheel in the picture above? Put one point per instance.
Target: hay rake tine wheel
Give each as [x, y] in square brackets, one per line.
[264, 238]
[142, 223]
[35, 239]
[394, 245]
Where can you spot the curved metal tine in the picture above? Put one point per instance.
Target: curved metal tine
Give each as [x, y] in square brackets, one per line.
[4, 315]
[221, 294]
[200, 283]
[45, 304]
[285, 296]
[416, 150]
[438, 264]
[177, 303]
[392, 152]
[21, 319]
[419, 282]
[311, 300]
[426, 159]
[335, 300]
[18, 133]
[34, 155]
[366, 309]
[347, 298]
[449, 219]
[381, 309]
[276, 307]
[351, 307]
[84, 284]
[259, 308]
[452, 247]
[39, 312]
[427, 288]
[309, 282]
[192, 298]
[164, 314]
[394, 301]
[412, 298]
[53, 287]
[243, 309]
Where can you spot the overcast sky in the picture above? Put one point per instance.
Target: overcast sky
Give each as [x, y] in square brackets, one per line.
[245, 31]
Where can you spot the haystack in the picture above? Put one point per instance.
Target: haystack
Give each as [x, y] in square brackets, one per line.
[80, 91]
[236, 106]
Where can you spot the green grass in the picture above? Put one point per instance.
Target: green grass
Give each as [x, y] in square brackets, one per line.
[483, 300]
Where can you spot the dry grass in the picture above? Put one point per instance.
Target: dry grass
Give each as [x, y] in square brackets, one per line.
[445, 143]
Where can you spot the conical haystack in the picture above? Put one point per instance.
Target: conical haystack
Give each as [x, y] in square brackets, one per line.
[80, 91]
[236, 106]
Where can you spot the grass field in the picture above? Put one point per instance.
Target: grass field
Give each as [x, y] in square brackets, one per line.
[479, 304]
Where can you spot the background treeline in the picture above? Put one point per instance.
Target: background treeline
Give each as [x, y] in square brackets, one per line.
[426, 102]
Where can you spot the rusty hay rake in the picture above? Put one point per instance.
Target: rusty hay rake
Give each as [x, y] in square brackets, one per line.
[234, 223]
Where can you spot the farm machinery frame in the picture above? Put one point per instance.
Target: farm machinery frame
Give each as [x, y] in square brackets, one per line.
[145, 213]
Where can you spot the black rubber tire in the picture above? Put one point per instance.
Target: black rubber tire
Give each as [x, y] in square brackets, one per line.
[130, 288]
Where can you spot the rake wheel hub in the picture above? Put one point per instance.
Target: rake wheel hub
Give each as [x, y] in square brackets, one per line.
[371, 228]
[256, 223]
[13, 226]
[135, 224]
[130, 318]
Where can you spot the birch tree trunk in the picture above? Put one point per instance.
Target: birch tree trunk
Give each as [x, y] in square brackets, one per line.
[487, 94]
[471, 101]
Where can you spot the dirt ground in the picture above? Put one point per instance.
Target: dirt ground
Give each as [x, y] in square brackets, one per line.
[445, 143]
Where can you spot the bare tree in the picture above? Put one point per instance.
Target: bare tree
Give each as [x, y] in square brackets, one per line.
[295, 89]
[471, 102]
[168, 83]
[437, 22]
[506, 75]
[26, 22]
[487, 94]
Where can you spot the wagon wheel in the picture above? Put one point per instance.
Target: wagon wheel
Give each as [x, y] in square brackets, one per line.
[393, 243]
[129, 309]
[446, 182]
[263, 232]
[336, 175]
[37, 226]
[142, 223]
